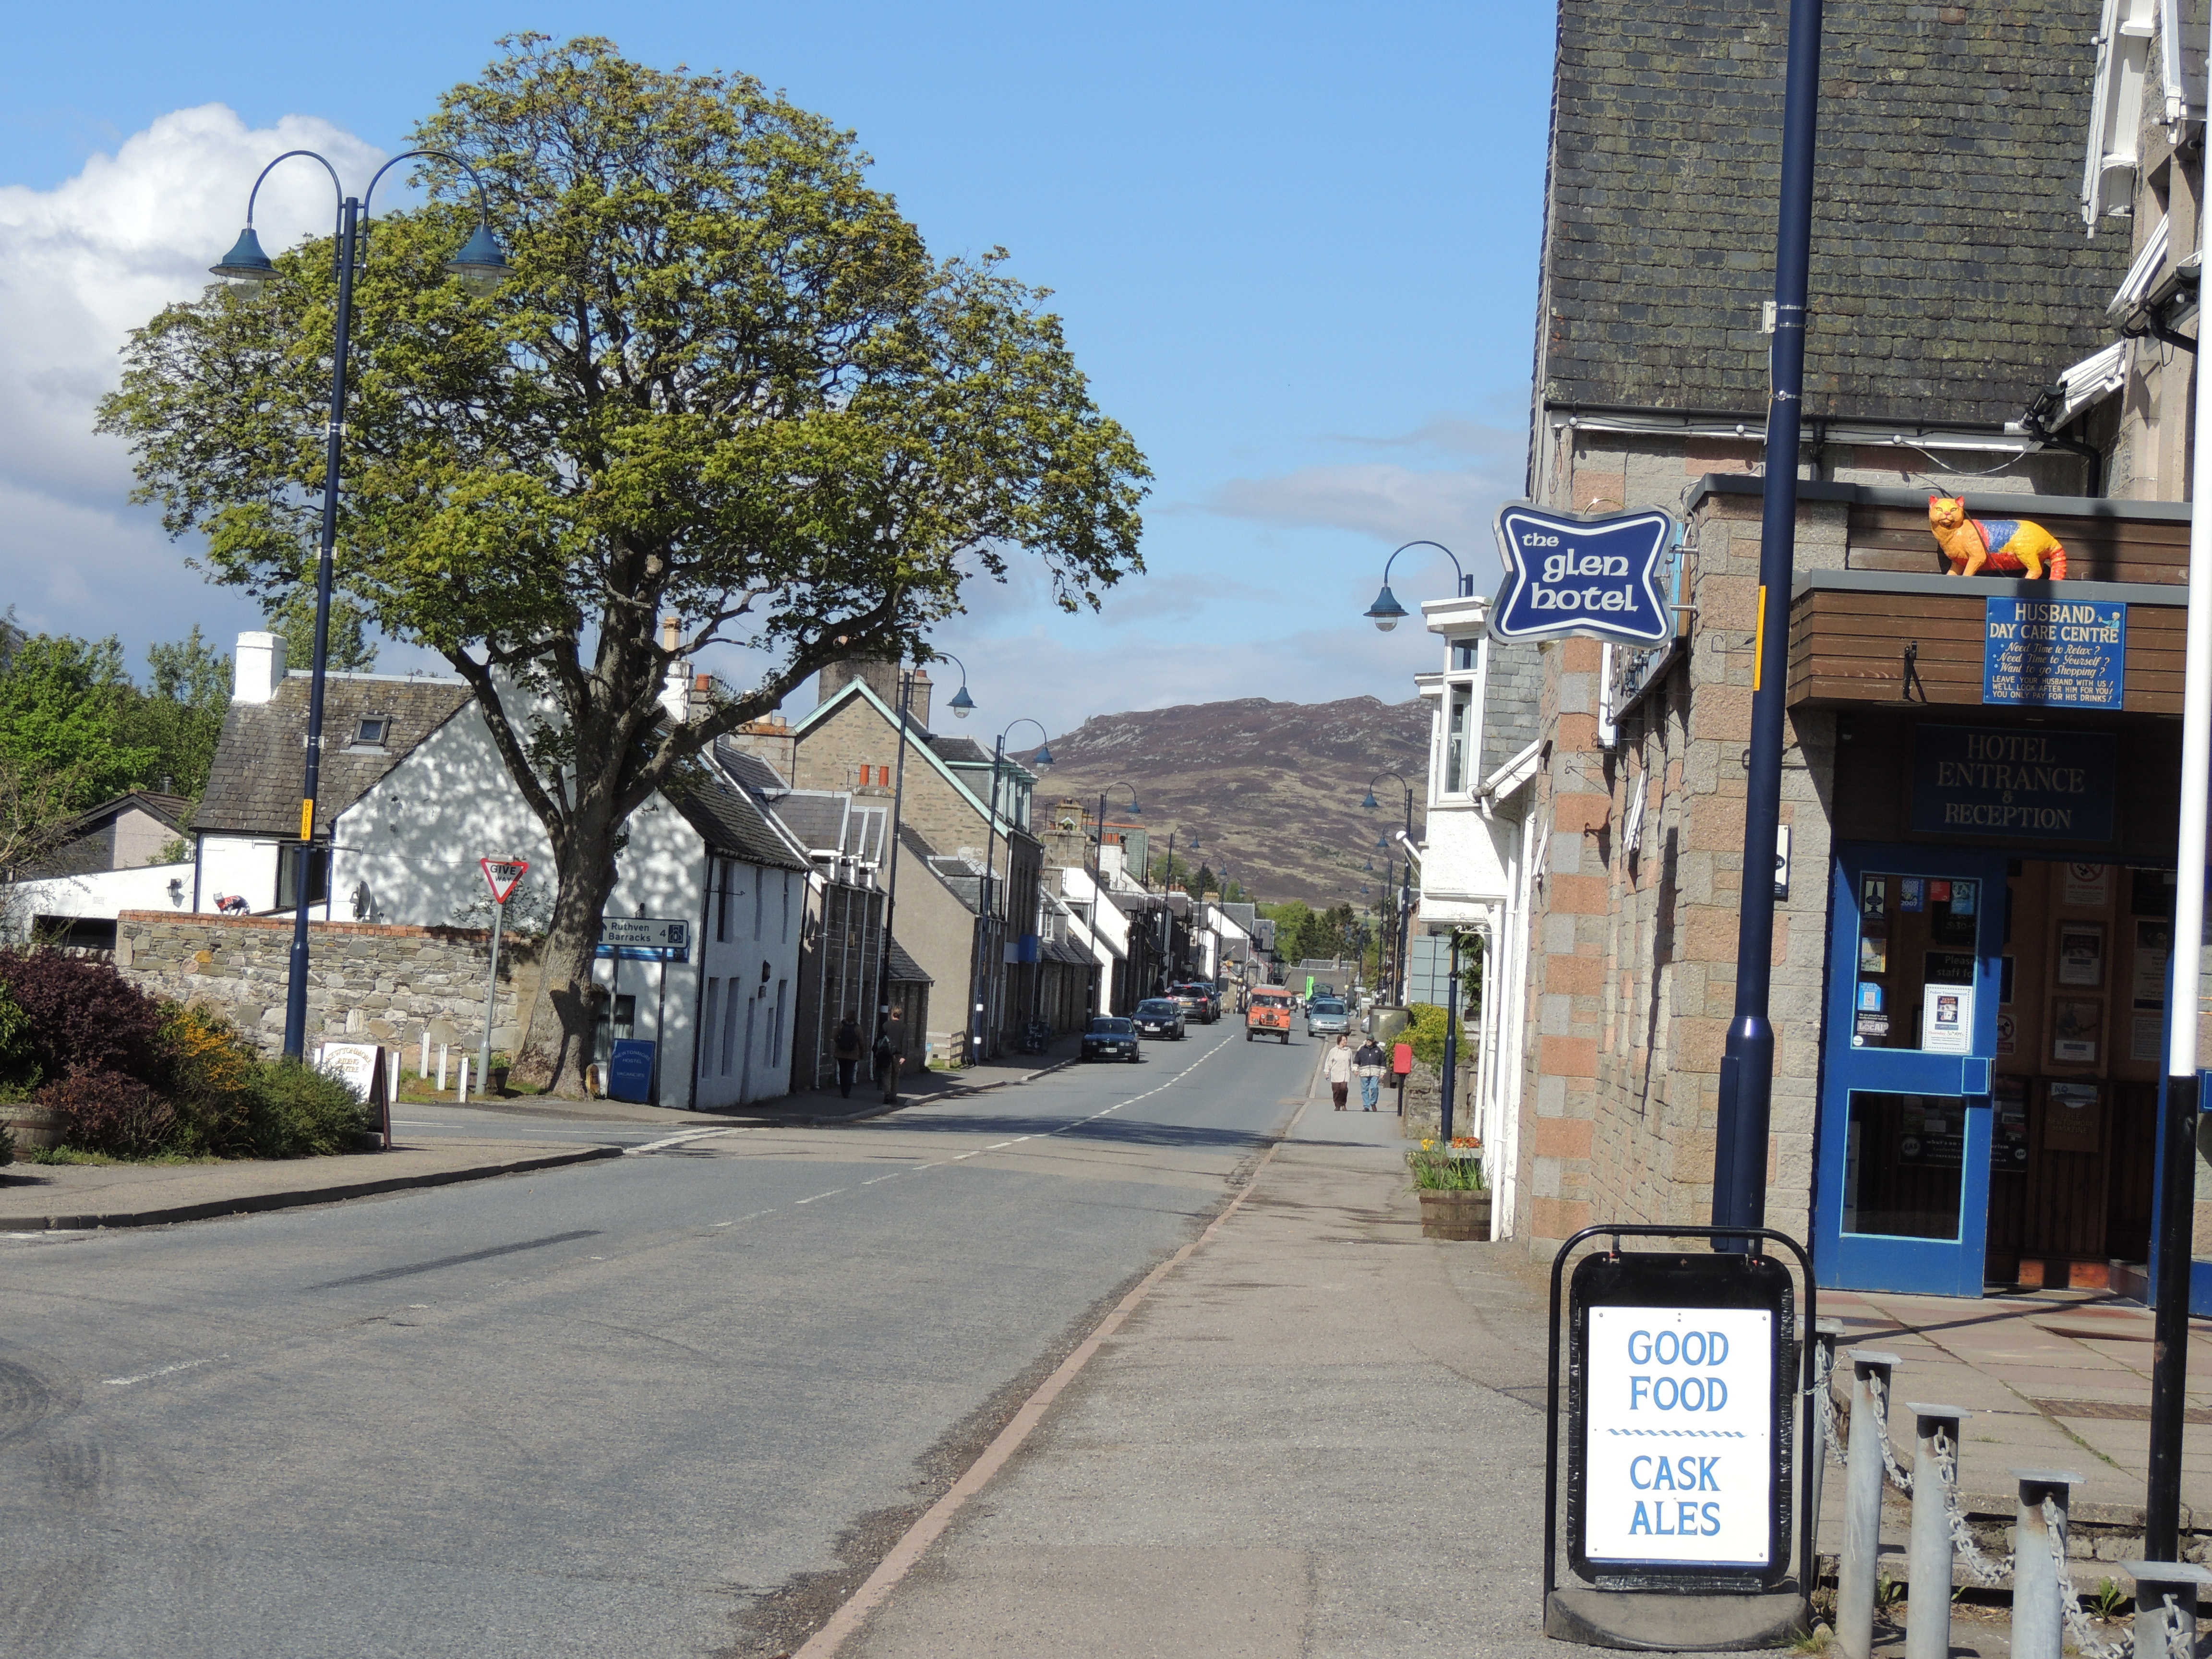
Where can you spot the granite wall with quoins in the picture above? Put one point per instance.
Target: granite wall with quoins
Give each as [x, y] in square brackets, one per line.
[390, 984]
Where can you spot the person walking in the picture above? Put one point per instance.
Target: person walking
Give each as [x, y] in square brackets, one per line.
[1369, 1061]
[890, 1050]
[1337, 1068]
[845, 1045]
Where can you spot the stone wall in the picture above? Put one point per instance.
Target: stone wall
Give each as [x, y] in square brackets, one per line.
[363, 980]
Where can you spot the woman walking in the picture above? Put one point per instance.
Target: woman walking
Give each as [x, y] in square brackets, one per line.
[846, 1048]
[1337, 1068]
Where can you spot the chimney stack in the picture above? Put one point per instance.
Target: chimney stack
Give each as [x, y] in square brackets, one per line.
[258, 668]
[917, 700]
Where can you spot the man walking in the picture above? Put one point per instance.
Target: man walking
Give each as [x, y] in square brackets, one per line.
[845, 1045]
[1368, 1061]
[1337, 1068]
[890, 1049]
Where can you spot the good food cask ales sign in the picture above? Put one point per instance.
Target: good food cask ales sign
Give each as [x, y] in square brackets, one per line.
[1679, 1454]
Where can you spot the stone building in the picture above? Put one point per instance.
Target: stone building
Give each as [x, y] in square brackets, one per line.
[1951, 285]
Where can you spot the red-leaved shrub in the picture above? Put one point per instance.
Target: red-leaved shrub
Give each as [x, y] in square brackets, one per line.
[104, 1111]
[84, 1015]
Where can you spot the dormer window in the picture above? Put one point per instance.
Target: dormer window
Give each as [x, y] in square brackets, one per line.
[371, 732]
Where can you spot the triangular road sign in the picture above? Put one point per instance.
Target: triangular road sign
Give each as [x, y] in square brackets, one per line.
[503, 874]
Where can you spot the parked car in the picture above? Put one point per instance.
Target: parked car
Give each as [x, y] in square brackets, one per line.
[1327, 1017]
[1200, 1002]
[1109, 1036]
[1269, 1014]
[1160, 1017]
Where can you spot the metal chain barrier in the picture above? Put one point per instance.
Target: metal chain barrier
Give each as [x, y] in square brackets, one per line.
[2080, 1629]
[1897, 1475]
[1824, 1401]
[1967, 1547]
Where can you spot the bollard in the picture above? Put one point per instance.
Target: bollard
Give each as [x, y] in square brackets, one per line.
[1928, 1562]
[1855, 1573]
[2157, 1582]
[1825, 1332]
[422, 1064]
[461, 1096]
[441, 1068]
[2039, 1618]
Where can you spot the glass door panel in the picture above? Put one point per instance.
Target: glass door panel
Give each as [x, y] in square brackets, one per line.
[1915, 941]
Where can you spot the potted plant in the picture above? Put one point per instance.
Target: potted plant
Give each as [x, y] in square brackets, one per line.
[1454, 1197]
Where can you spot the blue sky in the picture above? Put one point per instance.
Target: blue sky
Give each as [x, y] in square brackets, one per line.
[1295, 247]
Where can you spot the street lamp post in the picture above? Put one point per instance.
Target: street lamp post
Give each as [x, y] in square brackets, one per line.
[1398, 943]
[480, 267]
[962, 706]
[1386, 613]
[1043, 758]
[1098, 865]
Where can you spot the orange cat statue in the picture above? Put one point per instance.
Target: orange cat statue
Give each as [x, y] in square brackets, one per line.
[2001, 547]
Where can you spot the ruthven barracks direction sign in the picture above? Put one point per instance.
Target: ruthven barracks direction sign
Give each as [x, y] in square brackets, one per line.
[1588, 577]
[1998, 783]
[2055, 653]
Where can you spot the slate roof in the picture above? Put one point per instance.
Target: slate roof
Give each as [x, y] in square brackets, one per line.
[831, 821]
[733, 824]
[960, 751]
[1951, 279]
[748, 770]
[905, 971]
[253, 785]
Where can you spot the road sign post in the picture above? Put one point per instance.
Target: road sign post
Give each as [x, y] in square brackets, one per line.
[500, 874]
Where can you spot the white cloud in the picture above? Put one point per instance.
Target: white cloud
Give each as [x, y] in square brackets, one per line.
[81, 265]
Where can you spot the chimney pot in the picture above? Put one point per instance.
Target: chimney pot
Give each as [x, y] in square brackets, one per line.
[671, 630]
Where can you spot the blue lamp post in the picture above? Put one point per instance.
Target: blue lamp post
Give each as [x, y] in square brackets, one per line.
[985, 901]
[962, 705]
[1386, 613]
[480, 267]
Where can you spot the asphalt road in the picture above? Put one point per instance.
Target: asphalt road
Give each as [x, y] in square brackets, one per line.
[629, 1408]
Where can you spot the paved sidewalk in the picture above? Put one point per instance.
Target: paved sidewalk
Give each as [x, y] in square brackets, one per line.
[1320, 1435]
[44, 1197]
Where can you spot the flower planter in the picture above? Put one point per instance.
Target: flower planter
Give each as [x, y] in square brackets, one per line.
[1455, 1215]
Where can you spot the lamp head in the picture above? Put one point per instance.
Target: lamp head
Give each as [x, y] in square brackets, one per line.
[481, 265]
[1386, 613]
[1370, 802]
[962, 705]
[1043, 758]
[1135, 810]
[245, 267]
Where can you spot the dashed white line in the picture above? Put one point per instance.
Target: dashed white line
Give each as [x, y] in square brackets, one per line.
[166, 1370]
[818, 1197]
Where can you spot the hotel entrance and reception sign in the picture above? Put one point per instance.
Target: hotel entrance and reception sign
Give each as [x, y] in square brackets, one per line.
[2005, 784]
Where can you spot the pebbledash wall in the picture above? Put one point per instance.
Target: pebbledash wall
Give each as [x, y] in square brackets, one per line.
[365, 980]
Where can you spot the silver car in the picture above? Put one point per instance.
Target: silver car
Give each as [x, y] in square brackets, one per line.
[1327, 1017]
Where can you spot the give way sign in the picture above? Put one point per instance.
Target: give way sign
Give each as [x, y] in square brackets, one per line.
[502, 873]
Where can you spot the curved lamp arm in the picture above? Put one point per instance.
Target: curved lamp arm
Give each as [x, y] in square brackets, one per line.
[1386, 613]
[962, 704]
[1043, 755]
[480, 266]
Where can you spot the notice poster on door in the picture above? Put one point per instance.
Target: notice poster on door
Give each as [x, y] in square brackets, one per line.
[2153, 940]
[1874, 951]
[2148, 1037]
[2076, 1027]
[1912, 895]
[1933, 1133]
[2086, 886]
[2082, 955]
[1873, 895]
[2008, 1146]
[2007, 1034]
[2075, 1120]
[1946, 1019]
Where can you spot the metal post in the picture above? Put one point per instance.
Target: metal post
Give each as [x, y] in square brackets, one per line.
[1747, 1066]
[1854, 1575]
[2038, 1622]
[2171, 1242]
[890, 852]
[1451, 1047]
[983, 905]
[2164, 1591]
[491, 992]
[295, 988]
[1928, 1562]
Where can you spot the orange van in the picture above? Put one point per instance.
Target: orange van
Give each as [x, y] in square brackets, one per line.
[1269, 1014]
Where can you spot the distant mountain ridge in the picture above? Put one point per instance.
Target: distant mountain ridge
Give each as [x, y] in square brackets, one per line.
[1273, 788]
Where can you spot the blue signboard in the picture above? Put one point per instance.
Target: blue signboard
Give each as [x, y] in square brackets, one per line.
[1997, 783]
[630, 1070]
[1591, 577]
[2055, 653]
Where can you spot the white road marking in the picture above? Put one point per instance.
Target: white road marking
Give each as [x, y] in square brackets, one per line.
[818, 1197]
[677, 1140]
[166, 1370]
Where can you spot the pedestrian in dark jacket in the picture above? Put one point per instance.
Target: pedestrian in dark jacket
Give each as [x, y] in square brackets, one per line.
[848, 1050]
[890, 1051]
[1369, 1063]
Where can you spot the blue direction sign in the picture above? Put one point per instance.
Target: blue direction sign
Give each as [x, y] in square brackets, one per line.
[1567, 574]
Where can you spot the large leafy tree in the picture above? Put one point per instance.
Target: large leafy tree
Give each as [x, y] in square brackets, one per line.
[177, 719]
[59, 698]
[726, 383]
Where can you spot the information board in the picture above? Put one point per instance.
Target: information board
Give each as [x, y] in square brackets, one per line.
[2055, 653]
[651, 938]
[1680, 1438]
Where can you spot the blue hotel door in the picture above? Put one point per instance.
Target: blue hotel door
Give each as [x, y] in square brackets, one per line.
[1915, 947]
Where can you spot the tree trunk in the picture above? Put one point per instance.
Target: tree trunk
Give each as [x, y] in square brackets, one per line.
[557, 1037]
